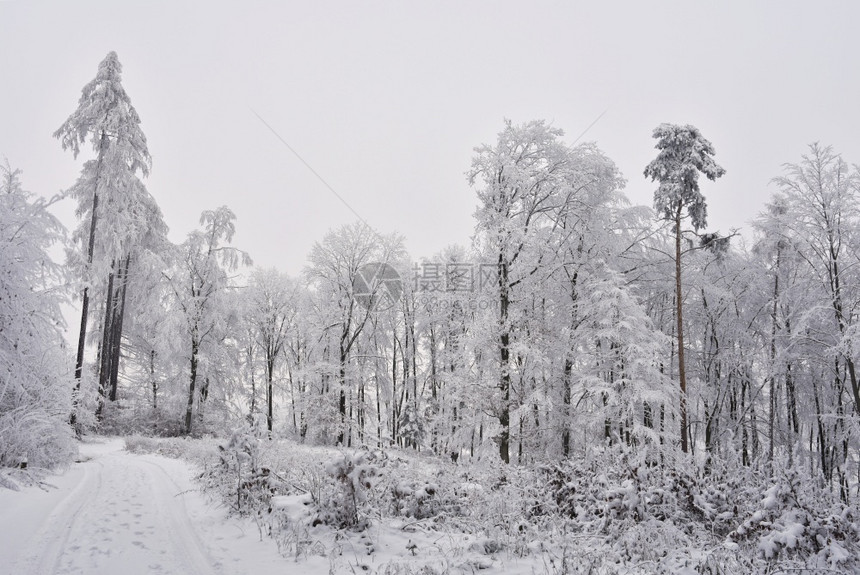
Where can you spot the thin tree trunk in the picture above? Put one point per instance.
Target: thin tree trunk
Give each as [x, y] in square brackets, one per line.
[253, 409]
[682, 372]
[270, 371]
[85, 299]
[378, 416]
[189, 408]
[566, 397]
[341, 404]
[153, 381]
[504, 357]
[117, 329]
[105, 355]
[395, 410]
[773, 331]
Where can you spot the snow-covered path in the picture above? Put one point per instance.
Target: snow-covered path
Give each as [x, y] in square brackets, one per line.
[117, 512]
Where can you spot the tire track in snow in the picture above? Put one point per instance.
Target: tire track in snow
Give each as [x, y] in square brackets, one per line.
[42, 556]
[124, 514]
[182, 533]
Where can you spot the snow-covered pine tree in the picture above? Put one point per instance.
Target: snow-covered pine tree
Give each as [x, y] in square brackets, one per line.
[106, 192]
[684, 154]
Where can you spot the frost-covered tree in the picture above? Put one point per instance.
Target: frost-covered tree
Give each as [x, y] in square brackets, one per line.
[143, 238]
[151, 349]
[546, 209]
[270, 310]
[823, 193]
[106, 192]
[814, 234]
[200, 281]
[776, 258]
[522, 181]
[34, 390]
[335, 264]
[684, 154]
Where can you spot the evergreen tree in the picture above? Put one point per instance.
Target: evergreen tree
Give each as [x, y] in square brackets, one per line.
[106, 187]
[684, 154]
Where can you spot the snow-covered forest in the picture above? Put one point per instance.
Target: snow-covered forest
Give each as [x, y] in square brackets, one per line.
[590, 386]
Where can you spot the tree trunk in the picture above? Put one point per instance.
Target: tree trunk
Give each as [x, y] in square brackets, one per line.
[682, 372]
[341, 402]
[189, 408]
[773, 331]
[395, 410]
[253, 409]
[105, 355]
[504, 357]
[568, 368]
[85, 299]
[566, 397]
[153, 381]
[270, 370]
[119, 318]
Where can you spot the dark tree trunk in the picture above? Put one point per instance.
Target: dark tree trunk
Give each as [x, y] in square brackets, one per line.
[682, 372]
[504, 357]
[85, 299]
[270, 371]
[105, 353]
[153, 380]
[117, 324]
[773, 391]
[566, 397]
[189, 408]
[253, 407]
[341, 402]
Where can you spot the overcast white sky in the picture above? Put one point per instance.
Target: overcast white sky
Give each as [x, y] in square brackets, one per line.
[387, 99]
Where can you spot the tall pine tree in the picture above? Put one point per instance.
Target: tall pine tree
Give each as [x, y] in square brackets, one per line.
[684, 153]
[107, 185]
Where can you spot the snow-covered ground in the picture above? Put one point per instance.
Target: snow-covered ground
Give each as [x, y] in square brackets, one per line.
[116, 512]
[137, 512]
[121, 513]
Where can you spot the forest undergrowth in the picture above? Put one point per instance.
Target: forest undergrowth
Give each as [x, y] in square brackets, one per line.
[603, 511]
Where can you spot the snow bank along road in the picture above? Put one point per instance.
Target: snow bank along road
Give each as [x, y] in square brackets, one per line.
[120, 513]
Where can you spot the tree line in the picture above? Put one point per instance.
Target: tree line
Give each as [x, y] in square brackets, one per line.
[573, 320]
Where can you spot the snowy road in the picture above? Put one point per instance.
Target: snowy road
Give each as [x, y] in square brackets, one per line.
[126, 514]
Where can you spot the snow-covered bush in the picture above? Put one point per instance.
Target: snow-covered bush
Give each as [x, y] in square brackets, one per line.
[246, 485]
[796, 521]
[35, 395]
[290, 520]
[200, 451]
[605, 511]
[340, 500]
[416, 499]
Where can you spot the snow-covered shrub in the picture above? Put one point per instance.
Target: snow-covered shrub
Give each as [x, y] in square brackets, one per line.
[245, 484]
[411, 425]
[795, 520]
[340, 500]
[416, 499]
[326, 420]
[202, 452]
[290, 519]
